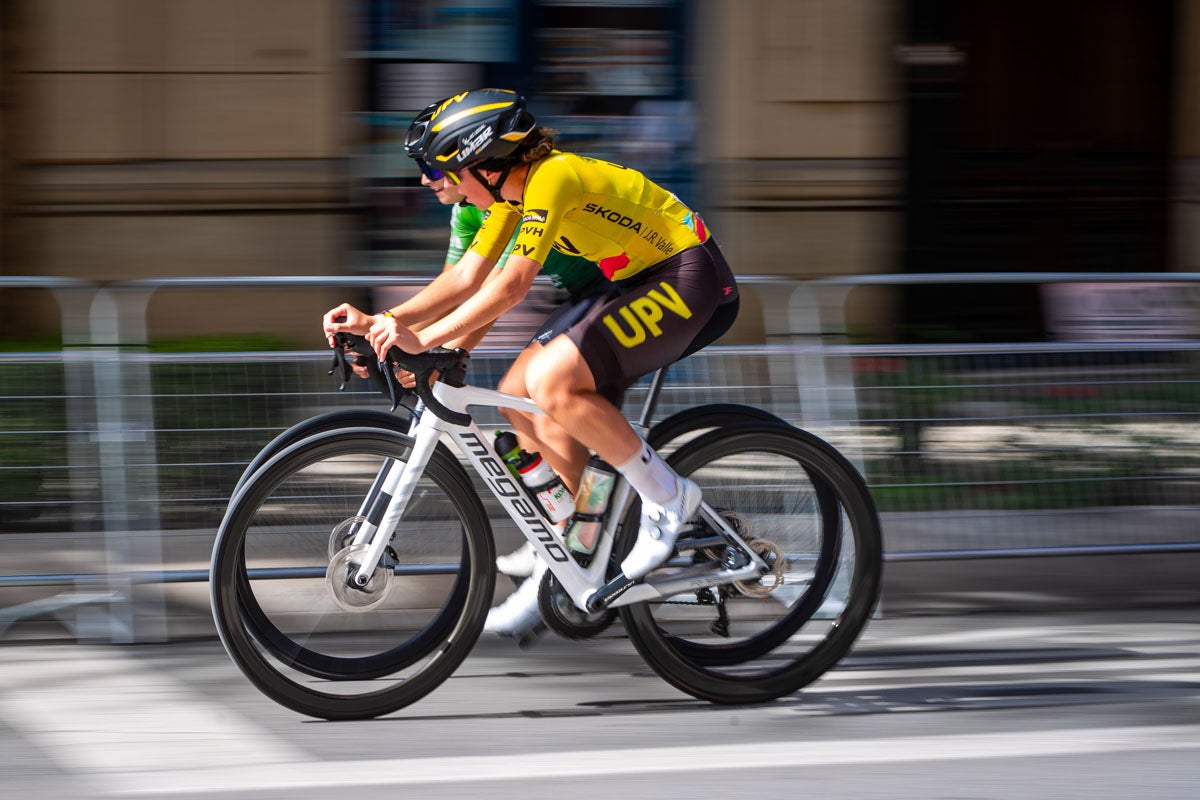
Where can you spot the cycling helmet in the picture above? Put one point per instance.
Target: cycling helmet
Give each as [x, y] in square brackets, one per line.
[417, 137]
[477, 126]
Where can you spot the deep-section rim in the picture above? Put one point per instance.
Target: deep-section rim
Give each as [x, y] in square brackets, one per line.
[460, 633]
[696, 678]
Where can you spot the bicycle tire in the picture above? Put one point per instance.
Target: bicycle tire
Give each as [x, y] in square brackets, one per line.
[723, 416]
[774, 658]
[702, 418]
[312, 655]
[340, 419]
[556, 609]
[317, 664]
[398, 421]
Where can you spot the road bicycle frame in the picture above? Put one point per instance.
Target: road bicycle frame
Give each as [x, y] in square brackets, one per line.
[393, 489]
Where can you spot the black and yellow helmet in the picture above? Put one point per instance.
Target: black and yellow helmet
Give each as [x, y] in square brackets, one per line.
[417, 137]
[479, 126]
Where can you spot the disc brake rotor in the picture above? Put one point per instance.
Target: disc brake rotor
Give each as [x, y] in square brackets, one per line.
[343, 534]
[340, 579]
[773, 555]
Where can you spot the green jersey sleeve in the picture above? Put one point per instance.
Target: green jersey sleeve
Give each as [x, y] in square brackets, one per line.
[465, 222]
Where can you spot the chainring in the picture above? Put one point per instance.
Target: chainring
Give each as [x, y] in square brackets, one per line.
[562, 616]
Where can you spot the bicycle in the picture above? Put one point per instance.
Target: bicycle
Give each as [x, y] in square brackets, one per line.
[305, 565]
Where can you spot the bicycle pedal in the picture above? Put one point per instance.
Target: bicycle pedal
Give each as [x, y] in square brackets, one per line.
[733, 558]
[526, 639]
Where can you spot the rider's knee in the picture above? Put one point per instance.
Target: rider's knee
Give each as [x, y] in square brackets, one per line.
[549, 388]
[511, 384]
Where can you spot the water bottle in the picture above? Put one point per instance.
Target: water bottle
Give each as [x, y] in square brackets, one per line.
[551, 493]
[509, 450]
[591, 506]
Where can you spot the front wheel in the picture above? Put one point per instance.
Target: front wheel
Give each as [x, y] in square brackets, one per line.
[800, 503]
[343, 418]
[284, 608]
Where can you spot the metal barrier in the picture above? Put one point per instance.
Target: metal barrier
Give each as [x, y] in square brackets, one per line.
[120, 461]
[977, 451]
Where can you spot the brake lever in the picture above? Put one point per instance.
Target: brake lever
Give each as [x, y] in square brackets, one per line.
[395, 390]
[341, 343]
[425, 392]
[340, 363]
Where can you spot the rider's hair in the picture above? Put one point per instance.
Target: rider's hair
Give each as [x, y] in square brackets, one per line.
[536, 145]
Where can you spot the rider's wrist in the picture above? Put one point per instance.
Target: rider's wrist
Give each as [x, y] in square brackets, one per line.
[387, 312]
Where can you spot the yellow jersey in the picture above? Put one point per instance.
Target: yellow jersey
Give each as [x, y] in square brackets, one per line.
[606, 213]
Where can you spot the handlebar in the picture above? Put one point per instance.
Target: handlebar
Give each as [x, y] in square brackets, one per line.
[451, 366]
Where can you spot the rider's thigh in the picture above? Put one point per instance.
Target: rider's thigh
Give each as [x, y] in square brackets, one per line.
[513, 381]
[557, 372]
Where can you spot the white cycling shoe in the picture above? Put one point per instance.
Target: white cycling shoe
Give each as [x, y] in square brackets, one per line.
[519, 563]
[518, 615]
[660, 528]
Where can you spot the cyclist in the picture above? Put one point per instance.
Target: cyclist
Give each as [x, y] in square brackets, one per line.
[575, 275]
[670, 293]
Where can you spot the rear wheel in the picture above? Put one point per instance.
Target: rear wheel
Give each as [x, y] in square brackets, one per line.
[559, 612]
[681, 428]
[807, 511]
[290, 617]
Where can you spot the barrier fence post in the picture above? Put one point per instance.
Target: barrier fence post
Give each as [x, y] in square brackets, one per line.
[128, 463]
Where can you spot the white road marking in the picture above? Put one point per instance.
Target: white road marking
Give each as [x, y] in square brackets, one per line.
[1021, 670]
[97, 710]
[1144, 637]
[758, 755]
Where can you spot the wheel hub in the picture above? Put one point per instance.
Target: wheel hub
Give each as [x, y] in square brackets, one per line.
[346, 595]
[771, 553]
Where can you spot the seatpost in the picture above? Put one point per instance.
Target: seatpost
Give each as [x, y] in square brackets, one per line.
[651, 403]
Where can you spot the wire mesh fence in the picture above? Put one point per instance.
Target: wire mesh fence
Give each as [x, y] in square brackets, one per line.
[1014, 448]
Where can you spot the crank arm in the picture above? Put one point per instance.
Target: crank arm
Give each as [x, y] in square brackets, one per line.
[665, 584]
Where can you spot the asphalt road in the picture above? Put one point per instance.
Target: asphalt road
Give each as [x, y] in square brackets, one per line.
[1087, 704]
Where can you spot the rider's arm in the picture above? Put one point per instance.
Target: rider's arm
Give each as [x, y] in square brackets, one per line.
[506, 289]
[448, 290]
[470, 340]
[457, 283]
[444, 292]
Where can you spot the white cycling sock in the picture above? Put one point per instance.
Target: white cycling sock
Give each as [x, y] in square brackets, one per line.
[650, 476]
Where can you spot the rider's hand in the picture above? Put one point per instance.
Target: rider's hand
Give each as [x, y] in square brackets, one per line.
[387, 333]
[345, 318]
[359, 369]
[409, 381]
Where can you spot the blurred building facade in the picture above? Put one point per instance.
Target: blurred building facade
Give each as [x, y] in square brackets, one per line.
[144, 138]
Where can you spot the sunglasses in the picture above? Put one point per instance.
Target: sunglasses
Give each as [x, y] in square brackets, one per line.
[430, 172]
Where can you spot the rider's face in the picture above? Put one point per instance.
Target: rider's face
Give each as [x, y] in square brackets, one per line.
[476, 193]
[447, 193]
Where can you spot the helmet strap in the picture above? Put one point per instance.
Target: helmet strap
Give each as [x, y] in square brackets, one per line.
[497, 186]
